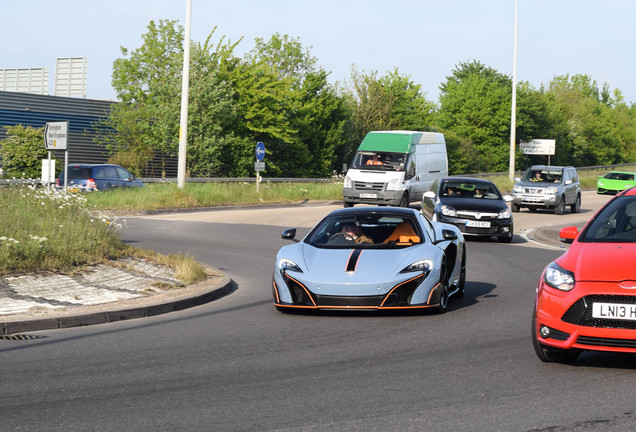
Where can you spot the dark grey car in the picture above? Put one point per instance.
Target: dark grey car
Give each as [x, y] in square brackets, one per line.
[547, 187]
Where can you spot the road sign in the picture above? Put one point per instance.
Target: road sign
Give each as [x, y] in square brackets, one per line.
[259, 166]
[55, 135]
[538, 147]
[260, 151]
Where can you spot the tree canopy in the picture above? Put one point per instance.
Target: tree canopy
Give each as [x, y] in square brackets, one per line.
[279, 94]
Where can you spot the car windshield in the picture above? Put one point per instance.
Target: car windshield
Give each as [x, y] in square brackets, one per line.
[380, 161]
[615, 224]
[543, 175]
[366, 231]
[619, 176]
[459, 189]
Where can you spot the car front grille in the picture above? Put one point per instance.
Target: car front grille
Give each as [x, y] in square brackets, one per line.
[533, 190]
[351, 301]
[580, 313]
[476, 230]
[477, 215]
[606, 342]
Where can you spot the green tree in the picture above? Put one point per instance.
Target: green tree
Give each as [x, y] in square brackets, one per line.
[148, 82]
[22, 152]
[389, 102]
[475, 105]
[291, 107]
[597, 125]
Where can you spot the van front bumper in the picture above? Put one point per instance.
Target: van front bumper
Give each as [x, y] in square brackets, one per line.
[367, 195]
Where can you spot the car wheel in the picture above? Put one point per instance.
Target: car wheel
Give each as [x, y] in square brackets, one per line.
[560, 208]
[576, 207]
[507, 238]
[515, 208]
[404, 202]
[551, 354]
[443, 291]
[461, 286]
[347, 204]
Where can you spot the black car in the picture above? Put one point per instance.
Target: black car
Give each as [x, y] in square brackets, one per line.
[92, 177]
[474, 205]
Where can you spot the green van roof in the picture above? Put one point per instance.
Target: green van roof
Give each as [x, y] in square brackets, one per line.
[399, 142]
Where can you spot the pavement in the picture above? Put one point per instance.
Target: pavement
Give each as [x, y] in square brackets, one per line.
[122, 290]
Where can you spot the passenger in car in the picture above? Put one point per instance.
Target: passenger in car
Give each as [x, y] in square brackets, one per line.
[403, 233]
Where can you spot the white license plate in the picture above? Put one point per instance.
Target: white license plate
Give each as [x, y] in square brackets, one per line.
[614, 311]
[532, 199]
[367, 195]
[478, 224]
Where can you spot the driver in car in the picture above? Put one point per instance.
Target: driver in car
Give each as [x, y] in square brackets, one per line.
[353, 233]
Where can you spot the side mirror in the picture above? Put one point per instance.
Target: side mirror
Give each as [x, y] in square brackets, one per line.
[517, 179]
[508, 198]
[429, 194]
[447, 235]
[568, 234]
[289, 234]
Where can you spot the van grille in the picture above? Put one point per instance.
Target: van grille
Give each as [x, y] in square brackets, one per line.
[365, 186]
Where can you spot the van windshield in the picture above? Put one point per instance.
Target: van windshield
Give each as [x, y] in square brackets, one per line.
[380, 161]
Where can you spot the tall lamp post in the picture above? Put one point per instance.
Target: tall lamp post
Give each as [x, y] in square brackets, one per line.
[513, 114]
[185, 89]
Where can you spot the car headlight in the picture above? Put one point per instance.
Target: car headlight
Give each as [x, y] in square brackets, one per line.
[448, 211]
[285, 264]
[504, 214]
[517, 189]
[599, 183]
[423, 266]
[347, 182]
[393, 184]
[550, 190]
[559, 278]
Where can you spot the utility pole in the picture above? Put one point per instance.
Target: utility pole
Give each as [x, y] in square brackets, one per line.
[185, 90]
[513, 114]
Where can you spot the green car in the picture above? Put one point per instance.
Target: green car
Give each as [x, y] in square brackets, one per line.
[615, 181]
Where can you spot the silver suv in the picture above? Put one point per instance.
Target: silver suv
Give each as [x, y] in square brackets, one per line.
[548, 187]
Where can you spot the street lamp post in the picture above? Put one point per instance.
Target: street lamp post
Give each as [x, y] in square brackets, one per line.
[513, 114]
[185, 89]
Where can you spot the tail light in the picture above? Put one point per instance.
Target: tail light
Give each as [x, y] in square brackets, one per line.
[57, 181]
[90, 184]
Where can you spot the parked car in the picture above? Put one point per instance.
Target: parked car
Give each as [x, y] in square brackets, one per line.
[371, 258]
[586, 299]
[615, 181]
[92, 177]
[547, 187]
[473, 205]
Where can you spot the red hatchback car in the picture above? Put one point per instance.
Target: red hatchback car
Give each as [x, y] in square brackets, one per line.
[586, 299]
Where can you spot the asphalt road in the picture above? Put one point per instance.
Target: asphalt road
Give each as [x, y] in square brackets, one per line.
[239, 365]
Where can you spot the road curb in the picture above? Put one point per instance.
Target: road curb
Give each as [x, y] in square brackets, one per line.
[196, 295]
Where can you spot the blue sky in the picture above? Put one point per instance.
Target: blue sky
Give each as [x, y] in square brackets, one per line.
[424, 39]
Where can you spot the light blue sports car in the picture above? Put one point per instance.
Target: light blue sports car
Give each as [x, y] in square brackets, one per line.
[371, 258]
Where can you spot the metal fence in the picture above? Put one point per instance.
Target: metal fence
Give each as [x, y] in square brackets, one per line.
[626, 167]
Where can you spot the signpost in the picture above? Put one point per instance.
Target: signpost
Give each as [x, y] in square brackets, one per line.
[259, 165]
[56, 138]
[538, 147]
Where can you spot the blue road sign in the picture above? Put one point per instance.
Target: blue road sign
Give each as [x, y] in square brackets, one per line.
[260, 151]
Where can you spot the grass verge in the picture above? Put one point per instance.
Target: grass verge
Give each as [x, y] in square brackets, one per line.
[43, 230]
[168, 196]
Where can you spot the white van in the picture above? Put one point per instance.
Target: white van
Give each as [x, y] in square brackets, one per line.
[395, 168]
